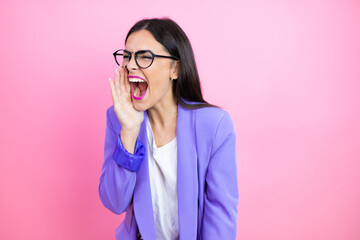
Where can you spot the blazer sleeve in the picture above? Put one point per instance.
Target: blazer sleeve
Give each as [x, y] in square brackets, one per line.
[118, 175]
[221, 192]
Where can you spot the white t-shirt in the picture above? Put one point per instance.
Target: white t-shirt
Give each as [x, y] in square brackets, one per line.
[163, 182]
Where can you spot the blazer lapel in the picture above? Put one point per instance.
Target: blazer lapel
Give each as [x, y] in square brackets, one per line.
[142, 195]
[187, 182]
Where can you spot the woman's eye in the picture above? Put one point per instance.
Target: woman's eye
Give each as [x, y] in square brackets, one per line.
[126, 57]
[145, 57]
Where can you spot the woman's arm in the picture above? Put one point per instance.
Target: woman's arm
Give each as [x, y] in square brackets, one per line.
[221, 194]
[118, 176]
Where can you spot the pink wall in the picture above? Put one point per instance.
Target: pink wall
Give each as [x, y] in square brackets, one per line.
[287, 71]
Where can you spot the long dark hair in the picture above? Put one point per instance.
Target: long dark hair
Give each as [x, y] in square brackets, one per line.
[187, 87]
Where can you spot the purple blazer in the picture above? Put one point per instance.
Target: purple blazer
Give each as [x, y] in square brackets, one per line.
[206, 177]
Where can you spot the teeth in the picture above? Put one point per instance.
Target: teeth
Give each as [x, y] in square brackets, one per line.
[136, 80]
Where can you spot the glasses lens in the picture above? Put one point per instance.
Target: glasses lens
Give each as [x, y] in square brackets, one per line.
[144, 59]
[122, 57]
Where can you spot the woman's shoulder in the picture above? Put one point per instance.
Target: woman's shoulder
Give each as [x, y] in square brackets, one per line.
[212, 126]
[210, 118]
[209, 112]
[213, 118]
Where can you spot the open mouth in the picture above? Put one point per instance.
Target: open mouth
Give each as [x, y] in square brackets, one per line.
[138, 87]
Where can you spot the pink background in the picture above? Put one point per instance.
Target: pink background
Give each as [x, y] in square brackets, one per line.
[287, 71]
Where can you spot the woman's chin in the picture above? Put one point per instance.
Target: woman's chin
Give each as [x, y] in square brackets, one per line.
[140, 106]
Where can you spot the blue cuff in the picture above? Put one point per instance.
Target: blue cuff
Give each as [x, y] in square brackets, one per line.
[131, 162]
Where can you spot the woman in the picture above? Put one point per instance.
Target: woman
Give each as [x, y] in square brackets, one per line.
[170, 160]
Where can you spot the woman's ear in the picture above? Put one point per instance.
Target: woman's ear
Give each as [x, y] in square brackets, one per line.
[175, 70]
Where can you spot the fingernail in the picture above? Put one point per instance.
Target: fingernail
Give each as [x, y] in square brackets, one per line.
[109, 79]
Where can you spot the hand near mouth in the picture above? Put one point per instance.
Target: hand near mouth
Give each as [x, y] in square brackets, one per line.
[129, 118]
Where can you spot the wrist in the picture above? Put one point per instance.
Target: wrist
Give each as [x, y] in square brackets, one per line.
[130, 131]
[128, 138]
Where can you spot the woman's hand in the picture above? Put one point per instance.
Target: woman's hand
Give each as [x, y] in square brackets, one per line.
[129, 118]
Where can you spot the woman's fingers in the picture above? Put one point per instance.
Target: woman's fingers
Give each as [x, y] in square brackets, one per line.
[113, 91]
[122, 80]
[120, 87]
[126, 82]
[120, 92]
[117, 82]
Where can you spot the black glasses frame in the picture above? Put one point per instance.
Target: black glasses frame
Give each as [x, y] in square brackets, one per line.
[116, 53]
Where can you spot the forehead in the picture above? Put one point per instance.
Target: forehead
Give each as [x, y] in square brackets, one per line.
[143, 40]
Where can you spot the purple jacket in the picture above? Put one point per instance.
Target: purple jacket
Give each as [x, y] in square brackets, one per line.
[206, 177]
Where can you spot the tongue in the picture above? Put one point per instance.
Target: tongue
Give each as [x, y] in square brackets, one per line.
[138, 88]
[143, 86]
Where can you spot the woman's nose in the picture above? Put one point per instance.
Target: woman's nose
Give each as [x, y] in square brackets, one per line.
[132, 63]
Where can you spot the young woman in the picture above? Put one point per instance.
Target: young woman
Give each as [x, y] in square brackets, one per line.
[170, 157]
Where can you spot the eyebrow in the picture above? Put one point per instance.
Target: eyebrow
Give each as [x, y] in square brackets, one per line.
[139, 50]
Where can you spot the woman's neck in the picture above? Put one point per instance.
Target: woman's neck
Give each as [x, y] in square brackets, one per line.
[163, 115]
[162, 118]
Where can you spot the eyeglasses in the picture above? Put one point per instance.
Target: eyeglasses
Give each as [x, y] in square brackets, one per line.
[143, 58]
